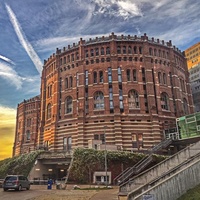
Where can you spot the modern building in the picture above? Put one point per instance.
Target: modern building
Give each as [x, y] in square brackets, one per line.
[120, 90]
[193, 55]
[195, 85]
[27, 126]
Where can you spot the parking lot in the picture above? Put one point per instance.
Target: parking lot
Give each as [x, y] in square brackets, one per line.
[40, 192]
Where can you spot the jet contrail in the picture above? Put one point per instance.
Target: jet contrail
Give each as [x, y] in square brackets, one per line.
[23, 40]
[6, 59]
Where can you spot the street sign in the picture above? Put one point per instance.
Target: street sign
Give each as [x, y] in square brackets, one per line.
[148, 197]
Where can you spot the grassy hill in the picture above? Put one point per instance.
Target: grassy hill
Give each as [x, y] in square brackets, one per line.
[18, 165]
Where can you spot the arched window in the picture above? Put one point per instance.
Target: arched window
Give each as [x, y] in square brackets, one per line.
[97, 51]
[128, 74]
[164, 101]
[155, 52]
[98, 100]
[185, 107]
[28, 135]
[69, 143]
[68, 105]
[101, 76]
[107, 50]
[91, 52]
[118, 49]
[150, 51]
[70, 81]
[135, 49]
[66, 83]
[102, 51]
[164, 79]
[134, 75]
[68, 58]
[49, 111]
[159, 77]
[129, 50]
[140, 50]
[124, 49]
[133, 99]
[159, 53]
[94, 77]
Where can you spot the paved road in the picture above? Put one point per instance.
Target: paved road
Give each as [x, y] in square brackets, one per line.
[24, 194]
[40, 192]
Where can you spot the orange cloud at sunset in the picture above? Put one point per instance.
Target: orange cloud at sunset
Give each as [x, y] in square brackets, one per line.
[7, 131]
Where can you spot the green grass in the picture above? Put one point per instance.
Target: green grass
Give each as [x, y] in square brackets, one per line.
[192, 194]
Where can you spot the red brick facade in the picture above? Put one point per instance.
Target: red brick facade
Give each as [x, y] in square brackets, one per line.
[128, 87]
[27, 126]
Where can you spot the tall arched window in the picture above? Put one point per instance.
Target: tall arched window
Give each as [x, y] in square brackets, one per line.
[159, 77]
[133, 99]
[135, 49]
[124, 49]
[91, 52]
[68, 105]
[70, 81]
[66, 83]
[185, 107]
[69, 143]
[128, 74]
[118, 49]
[134, 75]
[98, 100]
[155, 52]
[150, 51]
[107, 50]
[101, 76]
[94, 77]
[49, 111]
[102, 51]
[164, 79]
[164, 101]
[140, 50]
[28, 135]
[129, 50]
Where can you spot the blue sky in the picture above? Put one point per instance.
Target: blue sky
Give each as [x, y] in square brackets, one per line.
[31, 30]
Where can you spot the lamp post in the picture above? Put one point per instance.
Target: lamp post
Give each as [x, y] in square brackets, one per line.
[105, 154]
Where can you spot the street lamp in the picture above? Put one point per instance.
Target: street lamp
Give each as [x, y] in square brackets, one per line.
[105, 154]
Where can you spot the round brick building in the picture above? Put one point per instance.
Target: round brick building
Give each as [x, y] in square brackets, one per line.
[126, 88]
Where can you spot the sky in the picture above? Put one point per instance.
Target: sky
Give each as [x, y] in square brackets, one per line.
[31, 30]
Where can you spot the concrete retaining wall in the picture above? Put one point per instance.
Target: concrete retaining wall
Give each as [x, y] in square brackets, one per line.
[159, 169]
[176, 185]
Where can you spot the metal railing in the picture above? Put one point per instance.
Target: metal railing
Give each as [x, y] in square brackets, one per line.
[138, 167]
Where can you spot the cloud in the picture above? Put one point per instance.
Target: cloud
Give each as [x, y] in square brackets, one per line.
[23, 40]
[10, 75]
[120, 8]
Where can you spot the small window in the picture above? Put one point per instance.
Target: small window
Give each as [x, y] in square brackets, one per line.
[68, 105]
[98, 100]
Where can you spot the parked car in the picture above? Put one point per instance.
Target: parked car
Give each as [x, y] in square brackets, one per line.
[16, 182]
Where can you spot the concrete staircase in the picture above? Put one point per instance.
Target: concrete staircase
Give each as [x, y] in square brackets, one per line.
[142, 164]
[143, 182]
